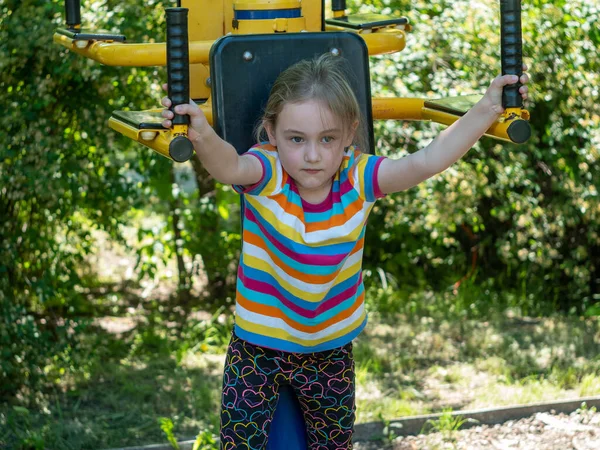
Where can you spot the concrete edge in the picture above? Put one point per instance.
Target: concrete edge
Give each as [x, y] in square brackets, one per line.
[414, 424]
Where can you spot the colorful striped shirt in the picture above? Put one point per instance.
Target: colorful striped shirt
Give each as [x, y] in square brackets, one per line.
[299, 286]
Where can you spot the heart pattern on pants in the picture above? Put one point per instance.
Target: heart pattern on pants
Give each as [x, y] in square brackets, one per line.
[324, 383]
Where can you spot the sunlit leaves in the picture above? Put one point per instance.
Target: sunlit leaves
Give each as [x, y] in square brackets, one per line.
[526, 210]
[62, 171]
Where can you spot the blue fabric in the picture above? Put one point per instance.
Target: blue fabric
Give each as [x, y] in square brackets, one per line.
[288, 429]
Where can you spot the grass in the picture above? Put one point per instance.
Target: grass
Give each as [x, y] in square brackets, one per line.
[447, 424]
[471, 364]
[151, 379]
[120, 386]
[120, 404]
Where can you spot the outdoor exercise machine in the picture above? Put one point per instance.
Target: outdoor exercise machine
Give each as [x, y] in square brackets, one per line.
[195, 29]
[226, 55]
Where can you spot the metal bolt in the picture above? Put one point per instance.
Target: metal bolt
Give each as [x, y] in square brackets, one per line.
[335, 51]
[248, 56]
[208, 82]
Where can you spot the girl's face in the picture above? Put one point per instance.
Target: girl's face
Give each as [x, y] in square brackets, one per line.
[310, 140]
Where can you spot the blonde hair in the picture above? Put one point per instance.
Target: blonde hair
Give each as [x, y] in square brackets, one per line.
[322, 78]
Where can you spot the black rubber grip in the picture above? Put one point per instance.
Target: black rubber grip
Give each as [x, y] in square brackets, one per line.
[178, 61]
[73, 14]
[338, 5]
[511, 50]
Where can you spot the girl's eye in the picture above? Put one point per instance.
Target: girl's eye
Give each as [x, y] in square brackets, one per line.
[296, 139]
[327, 139]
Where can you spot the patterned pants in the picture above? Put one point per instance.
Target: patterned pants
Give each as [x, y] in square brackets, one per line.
[322, 381]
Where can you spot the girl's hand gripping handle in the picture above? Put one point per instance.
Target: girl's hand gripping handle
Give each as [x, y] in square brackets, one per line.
[178, 72]
[511, 51]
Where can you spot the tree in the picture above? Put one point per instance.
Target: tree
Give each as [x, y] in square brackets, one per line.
[530, 211]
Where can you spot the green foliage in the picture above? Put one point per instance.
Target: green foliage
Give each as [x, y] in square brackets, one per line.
[214, 224]
[198, 226]
[447, 424]
[20, 425]
[206, 440]
[389, 434]
[520, 223]
[35, 350]
[166, 425]
[519, 219]
[205, 336]
[117, 386]
[62, 173]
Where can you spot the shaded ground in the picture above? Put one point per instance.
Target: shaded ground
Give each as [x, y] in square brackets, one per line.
[425, 365]
[146, 369]
[143, 360]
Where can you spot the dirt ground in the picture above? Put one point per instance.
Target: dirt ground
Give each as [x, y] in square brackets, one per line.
[543, 431]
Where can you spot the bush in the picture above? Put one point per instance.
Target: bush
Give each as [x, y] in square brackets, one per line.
[523, 217]
[61, 175]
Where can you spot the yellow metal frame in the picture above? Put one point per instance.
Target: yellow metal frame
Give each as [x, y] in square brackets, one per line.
[155, 54]
[416, 110]
[131, 55]
[158, 138]
[208, 21]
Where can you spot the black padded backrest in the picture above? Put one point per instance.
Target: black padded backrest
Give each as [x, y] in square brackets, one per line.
[243, 69]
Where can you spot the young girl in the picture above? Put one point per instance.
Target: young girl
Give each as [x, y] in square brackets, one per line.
[308, 191]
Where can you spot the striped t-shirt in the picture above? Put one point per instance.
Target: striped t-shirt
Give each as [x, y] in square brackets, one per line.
[299, 286]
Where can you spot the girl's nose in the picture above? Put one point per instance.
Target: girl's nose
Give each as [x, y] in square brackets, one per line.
[312, 154]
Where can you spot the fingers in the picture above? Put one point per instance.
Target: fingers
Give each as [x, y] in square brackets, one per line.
[166, 113]
[191, 109]
[503, 80]
[188, 108]
[524, 91]
[166, 102]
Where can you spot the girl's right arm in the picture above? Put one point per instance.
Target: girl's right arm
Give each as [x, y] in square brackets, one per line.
[219, 158]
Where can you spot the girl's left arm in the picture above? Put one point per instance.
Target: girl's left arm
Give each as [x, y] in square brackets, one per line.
[451, 144]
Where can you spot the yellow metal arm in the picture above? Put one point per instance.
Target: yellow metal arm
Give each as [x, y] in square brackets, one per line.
[385, 41]
[145, 55]
[397, 108]
[138, 55]
[498, 130]
[380, 42]
[158, 138]
[420, 109]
